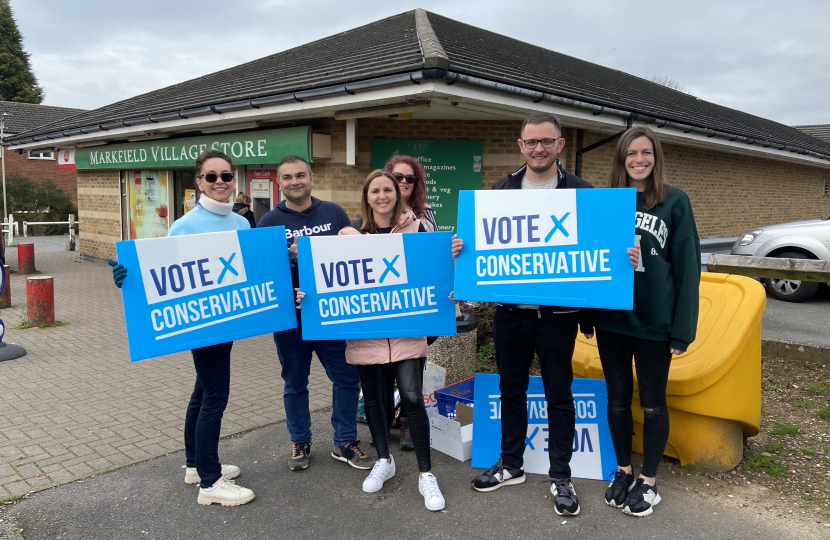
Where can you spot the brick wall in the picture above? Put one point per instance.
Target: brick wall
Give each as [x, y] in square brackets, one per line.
[343, 184]
[730, 193]
[38, 169]
[99, 212]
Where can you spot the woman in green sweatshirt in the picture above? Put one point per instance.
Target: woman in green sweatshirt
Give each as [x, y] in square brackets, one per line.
[662, 323]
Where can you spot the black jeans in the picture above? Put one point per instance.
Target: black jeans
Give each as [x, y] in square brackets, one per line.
[204, 413]
[517, 334]
[652, 360]
[410, 376]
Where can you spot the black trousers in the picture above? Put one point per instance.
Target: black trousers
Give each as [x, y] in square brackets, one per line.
[517, 334]
[652, 360]
[409, 375]
[205, 410]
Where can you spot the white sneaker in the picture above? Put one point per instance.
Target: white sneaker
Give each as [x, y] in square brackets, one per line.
[226, 493]
[229, 472]
[428, 486]
[381, 472]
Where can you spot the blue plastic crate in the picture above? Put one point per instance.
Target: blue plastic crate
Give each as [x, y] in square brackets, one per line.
[448, 396]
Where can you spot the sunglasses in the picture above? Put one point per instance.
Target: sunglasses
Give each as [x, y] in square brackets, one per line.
[211, 177]
[410, 178]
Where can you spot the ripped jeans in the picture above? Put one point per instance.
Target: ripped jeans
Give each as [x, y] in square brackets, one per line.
[652, 360]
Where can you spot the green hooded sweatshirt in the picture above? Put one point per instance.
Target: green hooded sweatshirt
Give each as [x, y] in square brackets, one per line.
[667, 281]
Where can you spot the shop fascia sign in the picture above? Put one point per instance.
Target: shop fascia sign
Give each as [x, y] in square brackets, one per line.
[246, 148]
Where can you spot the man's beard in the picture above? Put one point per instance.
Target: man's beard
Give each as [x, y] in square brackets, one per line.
[542, 170]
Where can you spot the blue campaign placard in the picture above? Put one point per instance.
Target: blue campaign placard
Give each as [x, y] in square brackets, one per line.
[561, 247]
[593, 452]
[185, 292]
[376, 285]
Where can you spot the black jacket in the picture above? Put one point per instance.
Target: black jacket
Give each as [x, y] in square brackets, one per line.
[566, 181]
[247, 214]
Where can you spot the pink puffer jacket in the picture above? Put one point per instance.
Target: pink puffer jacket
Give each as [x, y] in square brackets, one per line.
[382, 351]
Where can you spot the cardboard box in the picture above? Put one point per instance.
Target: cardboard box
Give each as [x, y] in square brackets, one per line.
[453, 437]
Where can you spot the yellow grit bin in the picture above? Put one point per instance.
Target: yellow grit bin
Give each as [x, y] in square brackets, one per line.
[714, 390]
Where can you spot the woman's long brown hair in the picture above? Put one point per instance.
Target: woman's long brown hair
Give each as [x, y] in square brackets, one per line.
[655, 189]
[369, 224]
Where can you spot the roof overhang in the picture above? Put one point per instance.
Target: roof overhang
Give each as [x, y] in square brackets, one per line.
[453, 98]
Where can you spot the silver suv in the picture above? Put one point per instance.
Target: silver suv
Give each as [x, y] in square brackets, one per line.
[797, 240]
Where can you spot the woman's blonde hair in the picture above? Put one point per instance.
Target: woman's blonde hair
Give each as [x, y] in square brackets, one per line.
[369, 224]
[242, 198]
[655, 189]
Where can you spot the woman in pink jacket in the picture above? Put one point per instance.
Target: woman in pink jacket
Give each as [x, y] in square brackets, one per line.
[382, 209]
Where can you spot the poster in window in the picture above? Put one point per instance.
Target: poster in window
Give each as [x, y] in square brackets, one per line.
[148, 204]
[189, 200]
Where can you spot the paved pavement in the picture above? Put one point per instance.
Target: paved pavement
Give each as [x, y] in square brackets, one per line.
[807, 323]
[75, 405]
[151, 501]
[44, 244]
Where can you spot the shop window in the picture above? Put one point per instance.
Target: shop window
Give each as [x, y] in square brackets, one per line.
[41, 155]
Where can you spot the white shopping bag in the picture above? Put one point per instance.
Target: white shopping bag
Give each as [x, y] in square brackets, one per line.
[434, 377]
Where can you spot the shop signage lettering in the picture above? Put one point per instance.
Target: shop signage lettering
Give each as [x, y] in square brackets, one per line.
[244, 148]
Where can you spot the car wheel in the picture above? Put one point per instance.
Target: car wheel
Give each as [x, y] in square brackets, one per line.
[791, 290]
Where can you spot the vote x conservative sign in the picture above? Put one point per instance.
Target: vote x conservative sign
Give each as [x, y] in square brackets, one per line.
[376, 285]
[561, 247]
[185, 292]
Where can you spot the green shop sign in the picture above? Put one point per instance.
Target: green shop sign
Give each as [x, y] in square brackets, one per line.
[450, 166]
[245, 148]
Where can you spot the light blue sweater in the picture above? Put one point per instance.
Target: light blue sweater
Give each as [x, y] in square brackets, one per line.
[201, 220]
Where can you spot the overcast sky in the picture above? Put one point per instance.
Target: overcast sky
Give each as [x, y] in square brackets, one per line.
[768, 58]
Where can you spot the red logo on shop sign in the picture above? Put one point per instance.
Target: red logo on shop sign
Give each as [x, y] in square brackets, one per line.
[66, 156]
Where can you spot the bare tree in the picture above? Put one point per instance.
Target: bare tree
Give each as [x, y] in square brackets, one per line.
[668, 82]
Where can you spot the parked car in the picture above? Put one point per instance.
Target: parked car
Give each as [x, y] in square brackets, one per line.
[797, 240]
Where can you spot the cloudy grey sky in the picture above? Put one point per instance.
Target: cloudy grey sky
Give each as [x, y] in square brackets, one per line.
[768, 58]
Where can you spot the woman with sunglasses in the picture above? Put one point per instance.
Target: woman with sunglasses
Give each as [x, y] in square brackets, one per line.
[662, 324]
[213, 213]
[411, 177]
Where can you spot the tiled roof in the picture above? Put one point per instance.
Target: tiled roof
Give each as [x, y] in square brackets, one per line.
[488, 55]
[418, 40]
[819, 131]
[27, 116]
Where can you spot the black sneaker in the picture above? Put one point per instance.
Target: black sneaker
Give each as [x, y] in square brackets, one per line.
[565, 501]
[641, 499]
[300, 456]
[352, 454]
[618, 489]
[498, 476]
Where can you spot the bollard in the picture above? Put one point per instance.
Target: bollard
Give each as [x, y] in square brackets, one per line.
[26, 258]
[40, 300]
[6, 295]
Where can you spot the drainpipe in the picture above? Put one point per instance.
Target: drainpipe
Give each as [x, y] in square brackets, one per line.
[578, 167]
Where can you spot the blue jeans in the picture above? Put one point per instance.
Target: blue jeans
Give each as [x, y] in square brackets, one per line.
[295, 357]
[204, 413]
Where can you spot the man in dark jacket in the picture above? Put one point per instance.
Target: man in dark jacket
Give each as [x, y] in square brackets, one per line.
[550, 331]
[304, 215]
